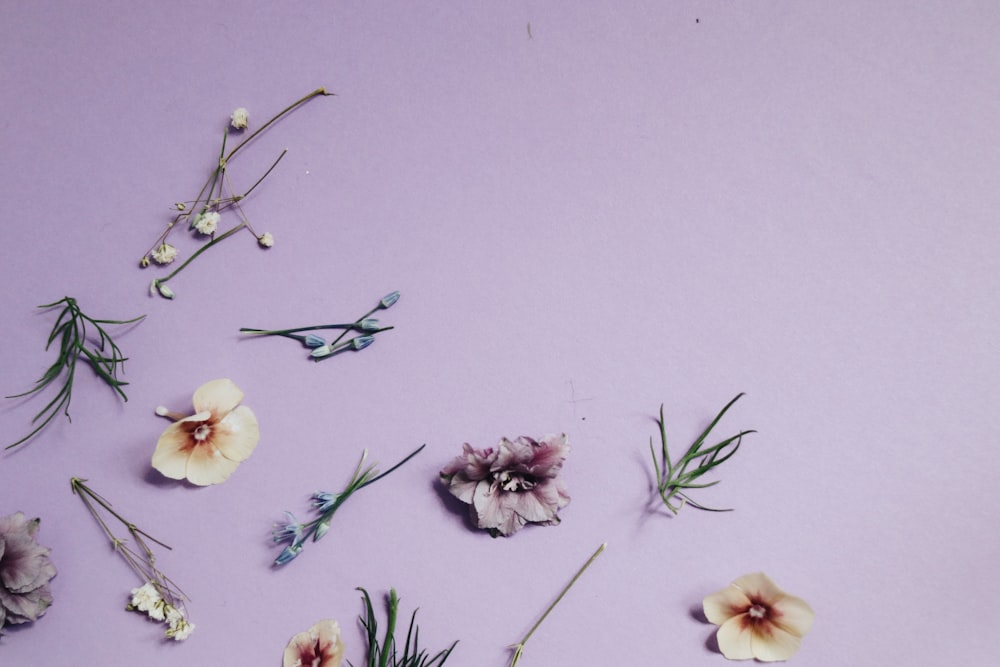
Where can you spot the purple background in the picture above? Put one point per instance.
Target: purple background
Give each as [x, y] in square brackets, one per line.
[638, 203]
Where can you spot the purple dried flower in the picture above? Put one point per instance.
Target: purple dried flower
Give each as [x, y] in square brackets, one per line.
[515, 484]
[25, 572]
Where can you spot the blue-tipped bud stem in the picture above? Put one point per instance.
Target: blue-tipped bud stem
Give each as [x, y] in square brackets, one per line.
[389, 299]
[361, 342]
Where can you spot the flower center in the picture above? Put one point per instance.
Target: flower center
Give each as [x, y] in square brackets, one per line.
[512, 481]
[202, 432]
[758, 611]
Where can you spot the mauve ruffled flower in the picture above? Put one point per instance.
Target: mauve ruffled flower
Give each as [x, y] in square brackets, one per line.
[25, 572]
[319, 646]
[757, 619]
[510, 486]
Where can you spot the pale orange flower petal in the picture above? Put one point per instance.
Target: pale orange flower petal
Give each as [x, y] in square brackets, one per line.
[770, 643]
[319, 646]
[237, 435]
[759, 587]
[723, 605]
[793, 615]
[735, 637]
[207, 465]
[219, 396]
[171, 455]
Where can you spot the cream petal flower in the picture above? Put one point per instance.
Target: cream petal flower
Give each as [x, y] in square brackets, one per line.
[757, 619]
[319, 646]
[206, 448]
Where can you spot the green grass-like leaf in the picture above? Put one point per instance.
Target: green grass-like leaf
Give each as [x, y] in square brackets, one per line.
[384, 653]
[73, 329]
[675, 479]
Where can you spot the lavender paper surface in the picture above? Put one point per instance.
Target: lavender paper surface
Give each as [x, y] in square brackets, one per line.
[590, 209]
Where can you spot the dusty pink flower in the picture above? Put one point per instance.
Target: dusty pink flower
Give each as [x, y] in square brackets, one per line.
[206, 447]
[515, 484]
[25, 572]
[757, 619]
[319, 646]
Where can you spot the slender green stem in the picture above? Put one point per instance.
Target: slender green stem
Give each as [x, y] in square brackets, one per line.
[519, 647]
[289, 108]
[214, 241]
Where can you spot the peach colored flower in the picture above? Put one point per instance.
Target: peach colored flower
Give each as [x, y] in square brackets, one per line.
[206, 447]
[319, 646]
[757, 619]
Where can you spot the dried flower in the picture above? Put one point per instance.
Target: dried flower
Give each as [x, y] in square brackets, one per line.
[203, 213]
[158, 597]
[206, 447]
[673, 479]
[239, 119]
[326, 505]
[510, 486]
[319, 646]
[757, 619]
[319, 348]
[25, 572]
[206, 223]
[385, 653]
[164, 254]
[75, 330]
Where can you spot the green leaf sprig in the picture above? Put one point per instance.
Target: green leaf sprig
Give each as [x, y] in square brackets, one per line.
[385, 653]
[675, 479]
[73, 330]
[211, 201]
[326, 505]
[366, 326]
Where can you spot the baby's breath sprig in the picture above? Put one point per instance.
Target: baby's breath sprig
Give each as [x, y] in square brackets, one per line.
[385, 653]
[203, 213]
[159, 597]
[74, 330]
[326, 505]
[518, 648]
[674, 479]
[366, 326]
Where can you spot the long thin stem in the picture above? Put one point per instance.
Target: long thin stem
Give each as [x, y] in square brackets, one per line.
[519, 647]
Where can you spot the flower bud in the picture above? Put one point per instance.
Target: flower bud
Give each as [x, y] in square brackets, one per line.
[321, 351]
[165, 291]
[312, 340]
[389, 299]
[361, 342]
[239, 119]
[287, 554]
[369, 324]
[321, 529]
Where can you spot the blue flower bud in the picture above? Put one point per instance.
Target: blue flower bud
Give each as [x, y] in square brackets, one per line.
[321, 529]
[287, 554]
[321, 351]
[369, 324]
[361, 342]
[312, 340]
[389, 299]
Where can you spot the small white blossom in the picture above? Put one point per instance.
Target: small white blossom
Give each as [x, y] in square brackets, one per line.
[164, 254]
[266, 240]
[240, 118]
[180, 627]
[206, 223]
[145, 597]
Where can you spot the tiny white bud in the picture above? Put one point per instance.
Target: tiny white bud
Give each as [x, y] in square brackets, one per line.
[240, 118]
[266, 240]
[161, 411]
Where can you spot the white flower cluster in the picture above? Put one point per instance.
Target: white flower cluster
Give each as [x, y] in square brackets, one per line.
[207, 223]
[147, 599]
